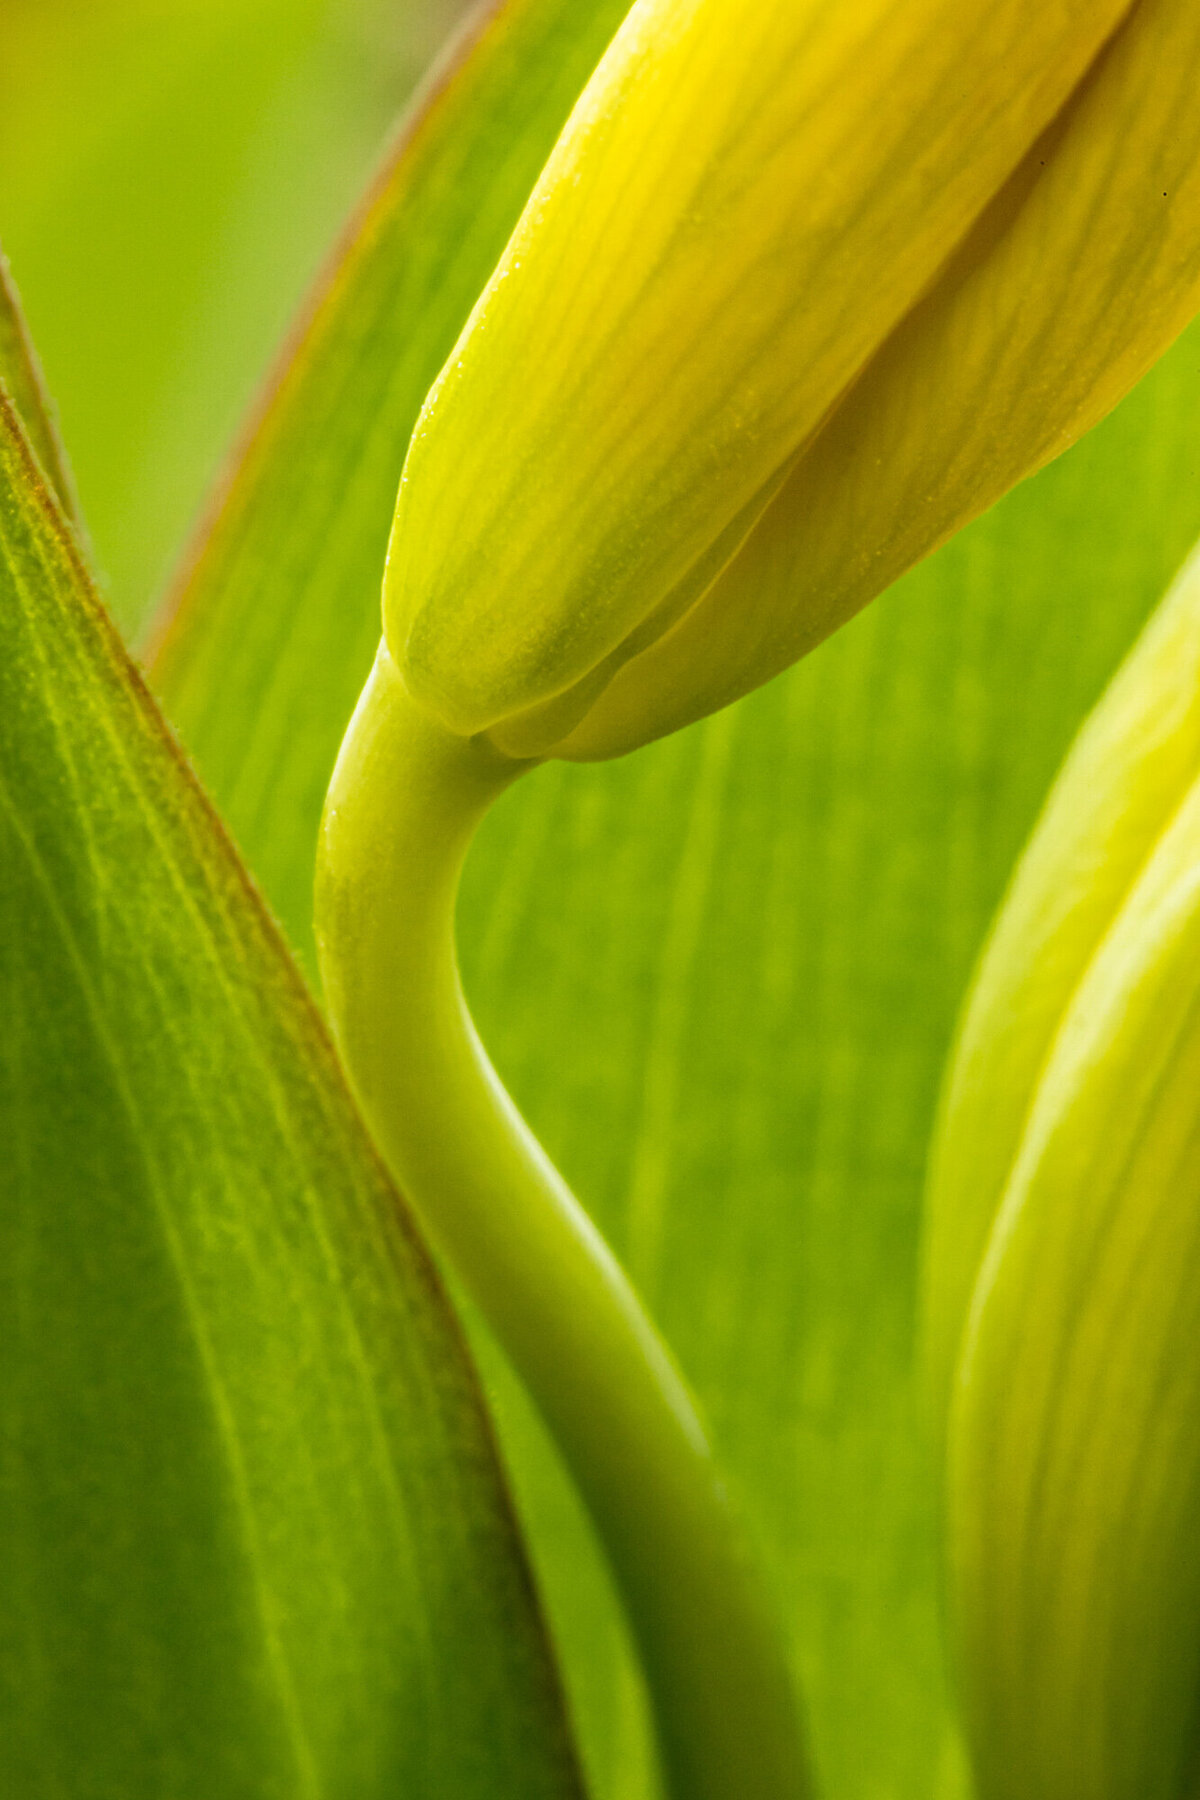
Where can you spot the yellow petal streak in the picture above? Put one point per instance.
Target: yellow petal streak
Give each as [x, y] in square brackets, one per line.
[1136, 756]
[747, 200]
[1076, 280]
[1075, 1433]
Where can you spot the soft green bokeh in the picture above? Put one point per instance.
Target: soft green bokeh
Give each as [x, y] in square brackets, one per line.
[171, 174]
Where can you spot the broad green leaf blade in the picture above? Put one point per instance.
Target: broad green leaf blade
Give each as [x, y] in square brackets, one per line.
[20, 374]
[253, 1538]
[282, 596]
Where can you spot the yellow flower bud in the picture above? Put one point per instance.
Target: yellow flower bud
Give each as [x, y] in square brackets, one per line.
[1133, 760]
[1075, 1436]
[1080, 274]
[1065, 1231]
[751, 205]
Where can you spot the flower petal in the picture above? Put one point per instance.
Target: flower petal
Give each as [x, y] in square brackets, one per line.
[1079, 277]
[1075, 1433]
[746, 201]
[1135, 758]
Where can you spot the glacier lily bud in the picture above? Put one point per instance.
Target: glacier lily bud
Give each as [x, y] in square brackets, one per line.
[1133, 760]
[1063, 1308]
[800, 290]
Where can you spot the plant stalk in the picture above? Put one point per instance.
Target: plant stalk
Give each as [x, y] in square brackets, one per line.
[403, 806]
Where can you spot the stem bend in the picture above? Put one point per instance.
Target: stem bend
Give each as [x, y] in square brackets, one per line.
[403, 806]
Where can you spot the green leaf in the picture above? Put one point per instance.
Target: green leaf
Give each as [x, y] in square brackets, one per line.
[722, 975]
[252, 1536]
[20, 374]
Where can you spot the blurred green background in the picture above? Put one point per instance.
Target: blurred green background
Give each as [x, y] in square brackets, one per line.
[172, 173]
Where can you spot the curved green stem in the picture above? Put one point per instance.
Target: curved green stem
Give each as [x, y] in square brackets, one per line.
[405, 801]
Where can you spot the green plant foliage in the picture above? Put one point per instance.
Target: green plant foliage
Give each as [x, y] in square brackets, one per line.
[252, 1536]
[721, 977]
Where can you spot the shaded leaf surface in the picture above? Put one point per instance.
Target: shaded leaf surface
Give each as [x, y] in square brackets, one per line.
[170, 174]
[253, 1540]
[721, 975]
